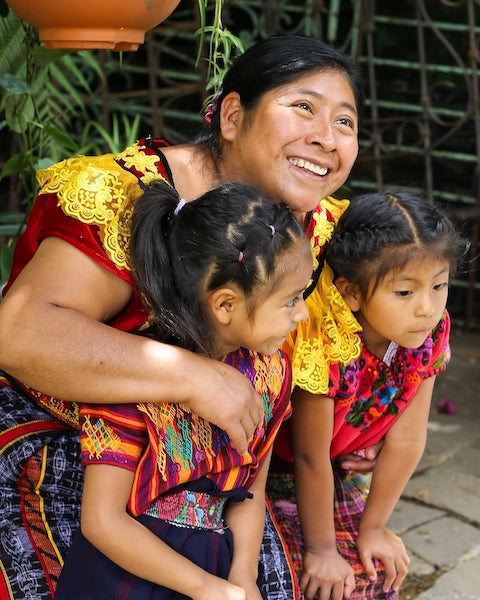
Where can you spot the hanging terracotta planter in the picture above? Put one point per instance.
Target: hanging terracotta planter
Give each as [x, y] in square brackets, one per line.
[101, 24]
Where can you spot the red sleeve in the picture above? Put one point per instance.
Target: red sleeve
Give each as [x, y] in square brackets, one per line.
[47, 219]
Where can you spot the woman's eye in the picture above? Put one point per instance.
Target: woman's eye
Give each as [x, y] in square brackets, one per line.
[303, 106]
[347, 122]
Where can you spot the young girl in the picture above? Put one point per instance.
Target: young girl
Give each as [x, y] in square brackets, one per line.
[169, 508]
[391, 256]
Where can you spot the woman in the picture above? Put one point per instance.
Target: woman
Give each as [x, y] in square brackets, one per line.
[285, 121]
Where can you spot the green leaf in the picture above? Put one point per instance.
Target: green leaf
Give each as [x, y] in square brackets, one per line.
[6, 254]
[19, 111]
[61, 137]
[14, 165]
[14, 84]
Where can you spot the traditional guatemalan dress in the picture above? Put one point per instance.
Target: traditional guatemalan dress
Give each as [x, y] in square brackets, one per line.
[370, 394]
[83, 201]
[185, 470]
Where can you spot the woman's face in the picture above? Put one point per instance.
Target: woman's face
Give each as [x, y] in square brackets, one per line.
[299, 144]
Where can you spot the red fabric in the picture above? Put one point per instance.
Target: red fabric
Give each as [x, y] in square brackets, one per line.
[168, 445]
[370, 396]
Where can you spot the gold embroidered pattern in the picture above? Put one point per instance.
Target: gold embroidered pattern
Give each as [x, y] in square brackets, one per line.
[97, 190]
[100, 437]
[67, 412]
[329, 335]
[324, 226]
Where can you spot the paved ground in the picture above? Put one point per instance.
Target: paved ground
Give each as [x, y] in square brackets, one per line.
[438, 516]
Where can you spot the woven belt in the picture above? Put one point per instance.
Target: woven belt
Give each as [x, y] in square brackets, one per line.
[189, 509]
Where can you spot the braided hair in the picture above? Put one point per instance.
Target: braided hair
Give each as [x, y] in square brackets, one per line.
[383, 231]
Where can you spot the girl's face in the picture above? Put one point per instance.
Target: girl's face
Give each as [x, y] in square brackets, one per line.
[299, 144]
[405, 306]
[276, 312]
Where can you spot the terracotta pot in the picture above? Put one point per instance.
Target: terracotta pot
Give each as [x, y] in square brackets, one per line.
[103, 24]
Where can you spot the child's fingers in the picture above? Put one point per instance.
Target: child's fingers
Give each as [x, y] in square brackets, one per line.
[349, 585]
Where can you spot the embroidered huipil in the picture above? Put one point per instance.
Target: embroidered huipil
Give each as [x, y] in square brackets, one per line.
[370, 394]
[88, 201]
[167, 445]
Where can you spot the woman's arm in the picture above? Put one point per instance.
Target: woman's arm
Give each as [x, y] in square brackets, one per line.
[107, 525]
[247, 522]
[403, 447]
[323, 567]
[53, 337]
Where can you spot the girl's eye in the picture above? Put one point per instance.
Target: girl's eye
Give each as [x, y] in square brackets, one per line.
[440, 286]
[293, 301]
[403, 293]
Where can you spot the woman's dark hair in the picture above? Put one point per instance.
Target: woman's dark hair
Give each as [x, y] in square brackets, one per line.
[231, 234]
[271, 63]
[383, 231]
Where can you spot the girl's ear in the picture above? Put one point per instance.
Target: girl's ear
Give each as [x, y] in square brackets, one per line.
[223, 303]
[350, 292]
[230, 112]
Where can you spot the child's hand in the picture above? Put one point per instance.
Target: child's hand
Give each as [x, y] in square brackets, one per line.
[386, 546]
[221, 589]
[328, 572]
[251, 589]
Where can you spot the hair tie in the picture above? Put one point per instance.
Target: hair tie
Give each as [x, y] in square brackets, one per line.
[240, 256]
[272, 229]
[180, 205]
[212, 106]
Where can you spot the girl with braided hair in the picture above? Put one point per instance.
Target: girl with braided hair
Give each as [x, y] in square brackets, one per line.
[390, 257]
[170, 509]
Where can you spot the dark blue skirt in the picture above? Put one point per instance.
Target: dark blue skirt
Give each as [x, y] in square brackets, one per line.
[90, 575]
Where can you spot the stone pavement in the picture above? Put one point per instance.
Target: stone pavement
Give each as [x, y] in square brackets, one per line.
[438, 516]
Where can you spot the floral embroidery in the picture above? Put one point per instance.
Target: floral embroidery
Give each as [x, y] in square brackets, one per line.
[369, 389]
[98, 190]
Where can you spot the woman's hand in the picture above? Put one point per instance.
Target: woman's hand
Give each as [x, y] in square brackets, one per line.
[224, 396]
[383, 544]
[53, 335]
[328, 572]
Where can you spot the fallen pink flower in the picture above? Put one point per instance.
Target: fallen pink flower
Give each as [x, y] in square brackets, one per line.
[446, 406]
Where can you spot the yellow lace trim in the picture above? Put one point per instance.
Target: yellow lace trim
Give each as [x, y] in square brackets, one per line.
[323, 228]
[329, 335]
[96, 190]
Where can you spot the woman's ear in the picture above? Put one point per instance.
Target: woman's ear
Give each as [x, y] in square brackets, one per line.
[350, 292]
[223, 303]
[230, 112]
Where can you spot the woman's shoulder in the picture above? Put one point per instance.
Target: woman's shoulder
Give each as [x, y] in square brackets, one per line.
[99, 191]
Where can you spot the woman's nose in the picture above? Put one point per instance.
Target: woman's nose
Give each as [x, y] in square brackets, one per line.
[323, 135]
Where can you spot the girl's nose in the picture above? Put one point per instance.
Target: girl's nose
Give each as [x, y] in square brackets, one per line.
[425, 306]
[302, 312]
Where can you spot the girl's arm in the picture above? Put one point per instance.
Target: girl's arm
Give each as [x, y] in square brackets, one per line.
[401, 453]
[247, 521]
[53, 335]
[107, 525]
[323, 566]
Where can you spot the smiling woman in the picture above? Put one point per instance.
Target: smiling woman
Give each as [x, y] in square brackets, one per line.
[287, 111]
